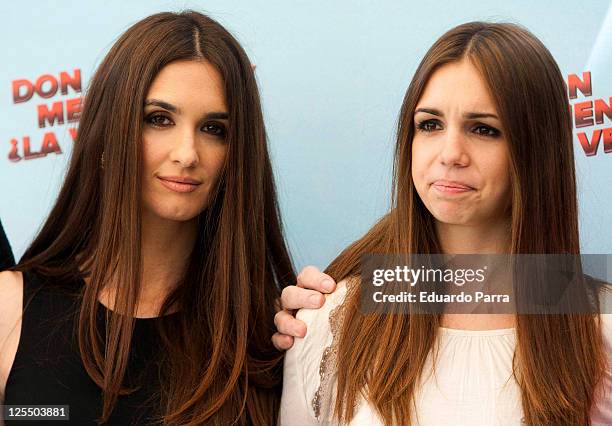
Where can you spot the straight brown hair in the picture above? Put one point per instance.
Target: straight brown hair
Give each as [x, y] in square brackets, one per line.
[220, 365]
[559, 359]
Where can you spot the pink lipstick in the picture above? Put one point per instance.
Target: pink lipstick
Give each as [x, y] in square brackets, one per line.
[179, 184]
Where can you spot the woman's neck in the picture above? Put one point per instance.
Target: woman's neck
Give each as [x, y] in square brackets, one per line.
[492, 238]
[166, 247]
[489, 238]
[165, 250]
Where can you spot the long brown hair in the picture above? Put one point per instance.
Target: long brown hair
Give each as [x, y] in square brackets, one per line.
[559, 359]
[220, 365]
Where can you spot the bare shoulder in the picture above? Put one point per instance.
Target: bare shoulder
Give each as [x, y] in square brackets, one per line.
[11, 295]
[10, 277]
[11, 301]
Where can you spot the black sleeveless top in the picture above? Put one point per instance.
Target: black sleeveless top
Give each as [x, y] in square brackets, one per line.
[48, 369]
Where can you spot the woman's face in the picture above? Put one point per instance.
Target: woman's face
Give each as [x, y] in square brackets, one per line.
[184, 139]
[460, 159]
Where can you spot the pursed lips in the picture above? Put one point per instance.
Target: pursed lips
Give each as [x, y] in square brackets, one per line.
[451, 187]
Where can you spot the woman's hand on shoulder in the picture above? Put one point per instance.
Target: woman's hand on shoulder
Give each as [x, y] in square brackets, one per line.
[306, 293]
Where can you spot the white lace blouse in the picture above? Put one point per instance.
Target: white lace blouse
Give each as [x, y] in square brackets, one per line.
[473, 382]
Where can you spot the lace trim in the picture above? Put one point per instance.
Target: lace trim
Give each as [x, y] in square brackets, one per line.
[328, 361]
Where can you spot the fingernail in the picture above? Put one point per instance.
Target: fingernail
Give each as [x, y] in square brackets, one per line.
[299, 332]
[328, 284]
[315, 299]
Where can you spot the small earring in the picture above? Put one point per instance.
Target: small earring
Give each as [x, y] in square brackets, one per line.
[102, 161]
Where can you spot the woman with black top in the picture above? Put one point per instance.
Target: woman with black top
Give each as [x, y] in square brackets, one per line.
[148, 295]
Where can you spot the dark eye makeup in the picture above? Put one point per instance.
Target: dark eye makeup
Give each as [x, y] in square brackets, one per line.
[428, 125]
[485, 130]
[215, 129]
[479, 129]
[160, 120]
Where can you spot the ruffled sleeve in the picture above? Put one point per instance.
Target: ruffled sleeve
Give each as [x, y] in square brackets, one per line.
[308, 371]
[601, 414]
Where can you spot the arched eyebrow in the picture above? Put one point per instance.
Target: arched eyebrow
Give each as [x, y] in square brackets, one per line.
[475, 115]
[468, 115]
[431, 111]
[215, 115]
[164, 105]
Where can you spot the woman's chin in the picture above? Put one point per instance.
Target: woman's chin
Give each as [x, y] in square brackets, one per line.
[451, 215]
[176, 215]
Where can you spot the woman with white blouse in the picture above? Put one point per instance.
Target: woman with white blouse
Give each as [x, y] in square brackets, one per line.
[483, 165]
